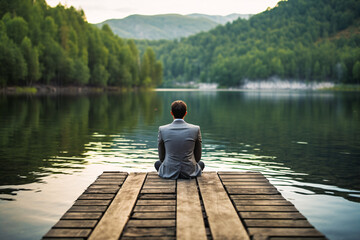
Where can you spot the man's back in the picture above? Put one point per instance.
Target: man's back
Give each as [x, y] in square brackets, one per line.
[179, 145]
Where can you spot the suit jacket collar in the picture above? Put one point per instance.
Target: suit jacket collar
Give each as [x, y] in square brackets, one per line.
[178, 121]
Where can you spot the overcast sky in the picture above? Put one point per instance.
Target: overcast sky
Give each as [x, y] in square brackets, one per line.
[99, 10]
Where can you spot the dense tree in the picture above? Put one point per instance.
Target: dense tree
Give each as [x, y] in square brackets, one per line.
[31, 57]
[151, 70]
[57, 46]
[13, 67]
[298, 39]
[356, 71]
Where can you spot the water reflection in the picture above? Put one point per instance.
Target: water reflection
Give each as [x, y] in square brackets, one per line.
[277, 133]
[306, 143]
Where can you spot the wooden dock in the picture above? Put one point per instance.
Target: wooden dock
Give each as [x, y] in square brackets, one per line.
[217, 205]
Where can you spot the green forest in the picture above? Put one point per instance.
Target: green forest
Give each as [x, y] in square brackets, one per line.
[44, 45]
[306, 40]
[298, 39]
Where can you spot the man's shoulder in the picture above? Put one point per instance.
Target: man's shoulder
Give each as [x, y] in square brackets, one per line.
[165, 126]
[192, 125]
[172, 125]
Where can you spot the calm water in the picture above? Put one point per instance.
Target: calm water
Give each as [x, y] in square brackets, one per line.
[306, 143]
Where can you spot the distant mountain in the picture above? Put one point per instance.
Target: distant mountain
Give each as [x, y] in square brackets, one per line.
[166, 26]
[221, 19]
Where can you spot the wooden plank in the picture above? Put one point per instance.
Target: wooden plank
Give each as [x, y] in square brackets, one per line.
[154, 215]
[268, 186]
[153, 176]
[96, 196]
[103, 187]
[238, 173]
[189, 218]
[277, 223]
[263, 202]
[154, 208]
[67, 233]
[286, 232]
[87, 209]
[151, 238]
[257, 197]
[160, 180]
[92, 202]
[266, 208]
[111, 177]
[245, 176]
[114, 183]
[156, 202]
[151, 223]
[82, 215]
[296, 238]
[222, 217]
[159, 190]
[110, 180]
[153, 173]
[262, 183]
[148, 232]
[103, 190]
[154, 186]
[226, 180]
[75, 224]
[115, 174]
[248, 191]
[158, 196]
[160, 185]
[112, 223]
[157, 181]
[272, 215]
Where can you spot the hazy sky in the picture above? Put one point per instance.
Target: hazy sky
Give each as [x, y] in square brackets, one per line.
[99, 10]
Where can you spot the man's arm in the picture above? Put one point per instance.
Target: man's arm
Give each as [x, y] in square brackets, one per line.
[161, 147]
[198, 148]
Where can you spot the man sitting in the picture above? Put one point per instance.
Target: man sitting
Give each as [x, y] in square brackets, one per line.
[179, 146]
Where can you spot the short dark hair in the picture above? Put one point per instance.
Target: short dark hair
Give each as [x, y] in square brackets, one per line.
[178, 108]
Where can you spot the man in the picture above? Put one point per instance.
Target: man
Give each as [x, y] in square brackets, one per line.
[179, 146]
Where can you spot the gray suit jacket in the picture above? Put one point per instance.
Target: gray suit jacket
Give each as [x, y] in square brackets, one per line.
[179, 147]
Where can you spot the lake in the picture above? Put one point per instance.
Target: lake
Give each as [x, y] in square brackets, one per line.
[307, 143]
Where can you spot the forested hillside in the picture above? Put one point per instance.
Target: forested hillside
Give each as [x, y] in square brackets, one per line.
[166, 26]
[40, 44]
[299, 39]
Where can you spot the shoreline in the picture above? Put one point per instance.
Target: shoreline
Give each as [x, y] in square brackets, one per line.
[55, 90]
[78, 90]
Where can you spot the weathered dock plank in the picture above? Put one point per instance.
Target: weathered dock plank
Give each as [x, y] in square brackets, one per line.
[146, 223]
[75, 224]
[111, 225]
[223, 219]
[265, 213]
[189, 221]
[222, 205]
[79, 221]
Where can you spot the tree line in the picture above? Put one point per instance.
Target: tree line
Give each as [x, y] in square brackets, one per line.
[45, 45]
[298, 39]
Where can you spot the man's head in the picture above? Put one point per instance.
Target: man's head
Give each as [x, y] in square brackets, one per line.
[178, 109]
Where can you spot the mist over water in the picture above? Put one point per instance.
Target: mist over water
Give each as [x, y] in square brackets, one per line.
[304, 142]
[278, 84]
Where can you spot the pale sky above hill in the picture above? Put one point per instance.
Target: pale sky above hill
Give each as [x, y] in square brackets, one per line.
[99, 10]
